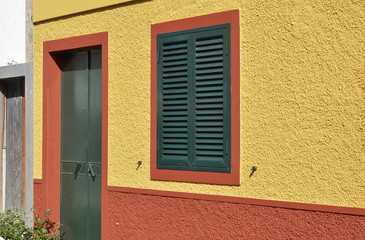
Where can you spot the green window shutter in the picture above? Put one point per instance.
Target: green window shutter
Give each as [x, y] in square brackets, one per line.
[172, 107]
[212, 99]
[193, 106]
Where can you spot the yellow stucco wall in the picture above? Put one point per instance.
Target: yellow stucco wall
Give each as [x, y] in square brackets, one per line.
[302, 95]
[48, 9]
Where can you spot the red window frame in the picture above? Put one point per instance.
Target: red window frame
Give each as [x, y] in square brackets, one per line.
[232, 178]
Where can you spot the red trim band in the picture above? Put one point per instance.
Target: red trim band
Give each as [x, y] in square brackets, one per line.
[37, 181]
[250, 201]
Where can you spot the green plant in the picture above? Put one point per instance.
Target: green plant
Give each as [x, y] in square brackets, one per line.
[13, 226]
[44, 228]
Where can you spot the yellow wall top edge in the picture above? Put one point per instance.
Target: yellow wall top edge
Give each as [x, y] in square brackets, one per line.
[48, 9]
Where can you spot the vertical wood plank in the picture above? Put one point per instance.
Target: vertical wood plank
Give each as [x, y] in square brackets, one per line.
[14, 146]
[2, 117]
[23, 144]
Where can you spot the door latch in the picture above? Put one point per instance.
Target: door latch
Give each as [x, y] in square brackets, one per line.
[91, 170]
[77, 170]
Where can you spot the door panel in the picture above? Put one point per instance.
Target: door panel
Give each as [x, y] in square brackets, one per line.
[94, 150]
[13, 146]
[74, 112]
[94, 217]
[74, 197]
[81, 145]
[95, 106]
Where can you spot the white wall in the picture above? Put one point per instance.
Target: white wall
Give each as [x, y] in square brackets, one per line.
[12, 31]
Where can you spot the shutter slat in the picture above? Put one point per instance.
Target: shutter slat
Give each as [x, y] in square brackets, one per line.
[207, 124]
[209, 100]
[175, 146]
[211, 41]
[175, 91]
[175, 135]
[209, 89]
[208, 129]
[204, 83]
[210, 135]
[175, 80]
[175, 97]
[209, 147]
[209, 59]
[175, 119]
[209, 71]
[174, 152]
[173, 58]
[175, 63]
[209, 153]
[176, 102]
[210, 112]
[174, 113]
[210, 77]
[175, 108]
[175, 46]
[209, 141]
[213, 47]
[174, 130]
[209, 53]
[174, 52]
[175, 124]
[176, 141]
[174, 85]
[210, 118]
[210, 65]
[173, 69]
[209, 94]
[175, 74]
[209, 106]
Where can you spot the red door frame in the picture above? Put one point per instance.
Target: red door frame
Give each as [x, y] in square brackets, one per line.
[51, 151]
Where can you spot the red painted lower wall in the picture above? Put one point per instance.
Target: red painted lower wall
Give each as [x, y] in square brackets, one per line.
[157, 217]
[37, 197]
[143, 216]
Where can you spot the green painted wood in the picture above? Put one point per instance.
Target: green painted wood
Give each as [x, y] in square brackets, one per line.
[94, 140]
[81, 145]
[193, 99]
[173, 107]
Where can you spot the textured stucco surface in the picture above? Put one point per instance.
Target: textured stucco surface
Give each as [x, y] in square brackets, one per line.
[48, 9]
[37, 198]
[302, 95]
[154, 217]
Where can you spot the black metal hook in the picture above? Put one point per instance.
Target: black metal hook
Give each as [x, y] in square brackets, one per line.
[139, 164]
[253, 169]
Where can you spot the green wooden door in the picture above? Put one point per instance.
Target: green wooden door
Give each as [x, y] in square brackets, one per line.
[81, 144]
